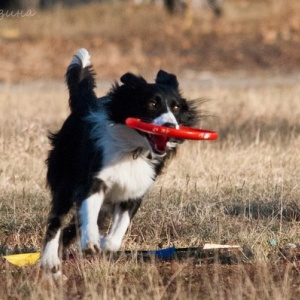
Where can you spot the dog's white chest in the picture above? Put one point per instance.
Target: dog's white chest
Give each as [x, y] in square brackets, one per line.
[128, 178]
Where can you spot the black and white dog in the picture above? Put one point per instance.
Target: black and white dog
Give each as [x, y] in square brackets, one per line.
[97, 161]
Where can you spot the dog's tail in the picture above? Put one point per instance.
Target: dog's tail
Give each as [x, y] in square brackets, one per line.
[80, 79]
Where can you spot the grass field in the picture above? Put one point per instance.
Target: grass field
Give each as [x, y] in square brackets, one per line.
[241, 189]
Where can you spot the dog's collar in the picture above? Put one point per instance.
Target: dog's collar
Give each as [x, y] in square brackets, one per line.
[137, 152]
[149, 155]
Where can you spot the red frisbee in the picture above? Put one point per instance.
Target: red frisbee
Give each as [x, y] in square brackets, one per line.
[182, 132]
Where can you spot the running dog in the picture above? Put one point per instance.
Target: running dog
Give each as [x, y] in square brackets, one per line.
[98, 161]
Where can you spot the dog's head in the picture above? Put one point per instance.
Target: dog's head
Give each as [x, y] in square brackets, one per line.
[159, 103]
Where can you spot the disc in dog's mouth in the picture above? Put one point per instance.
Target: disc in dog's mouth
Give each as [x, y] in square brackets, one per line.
[158, 143]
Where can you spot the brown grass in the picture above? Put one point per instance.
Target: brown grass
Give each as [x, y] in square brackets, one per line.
[242, 189]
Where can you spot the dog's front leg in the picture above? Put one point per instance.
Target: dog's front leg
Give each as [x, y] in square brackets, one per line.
[89, 211]
[123, 214]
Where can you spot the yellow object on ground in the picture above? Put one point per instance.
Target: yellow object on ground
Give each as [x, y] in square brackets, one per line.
[24, 259]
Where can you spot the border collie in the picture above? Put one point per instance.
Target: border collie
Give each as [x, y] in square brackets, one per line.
[98, 161]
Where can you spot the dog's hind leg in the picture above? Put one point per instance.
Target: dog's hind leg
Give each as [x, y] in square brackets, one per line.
[50, 258]
[123, 214]
[89, 211]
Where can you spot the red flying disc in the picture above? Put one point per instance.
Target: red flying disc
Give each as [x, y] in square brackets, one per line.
[182, 132]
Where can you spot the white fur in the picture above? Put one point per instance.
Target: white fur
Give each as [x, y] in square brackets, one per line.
[89, 215]
[118, 139]
[127, 178]
[167, 117]
[120, 225]
[50, 259]
[82, 58]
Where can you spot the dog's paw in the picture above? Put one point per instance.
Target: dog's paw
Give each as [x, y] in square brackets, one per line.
[91, 249]
[89, 242]
[109, 243]
[50, 262]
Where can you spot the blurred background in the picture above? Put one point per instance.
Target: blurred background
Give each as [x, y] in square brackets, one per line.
[192, 38]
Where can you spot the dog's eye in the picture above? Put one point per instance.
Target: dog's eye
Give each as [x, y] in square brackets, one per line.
[154, 103]
[176, 108]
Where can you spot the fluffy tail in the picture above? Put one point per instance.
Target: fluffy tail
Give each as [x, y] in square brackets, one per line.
[80, 80]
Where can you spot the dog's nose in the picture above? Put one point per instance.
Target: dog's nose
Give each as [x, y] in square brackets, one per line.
[168, 124]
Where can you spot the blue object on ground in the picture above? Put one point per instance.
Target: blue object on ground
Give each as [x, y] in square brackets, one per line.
[164, 253]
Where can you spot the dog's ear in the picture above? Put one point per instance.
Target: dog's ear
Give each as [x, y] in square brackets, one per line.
[165, 78]
[133, 80]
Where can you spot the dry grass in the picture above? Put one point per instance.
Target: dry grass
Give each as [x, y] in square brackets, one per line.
[243, 188]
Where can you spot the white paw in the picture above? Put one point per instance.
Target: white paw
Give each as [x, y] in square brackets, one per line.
[90, 242]
[82, 57]
[50, 261]
[91, 249]
[110, 244]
